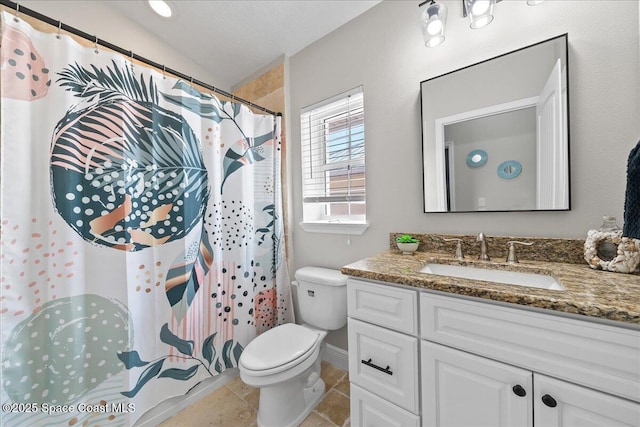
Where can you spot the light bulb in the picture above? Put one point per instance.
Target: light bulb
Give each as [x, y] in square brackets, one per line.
[480, 7]
[161, 8]
[434, 27]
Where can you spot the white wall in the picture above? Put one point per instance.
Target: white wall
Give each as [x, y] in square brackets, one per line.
[383, 50]
[96, 17]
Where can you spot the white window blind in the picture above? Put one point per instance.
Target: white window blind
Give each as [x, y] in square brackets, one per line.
[333, 159]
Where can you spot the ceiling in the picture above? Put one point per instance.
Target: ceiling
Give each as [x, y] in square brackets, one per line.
[235, 39]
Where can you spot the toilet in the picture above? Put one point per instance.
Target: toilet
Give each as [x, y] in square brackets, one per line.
[284, 362]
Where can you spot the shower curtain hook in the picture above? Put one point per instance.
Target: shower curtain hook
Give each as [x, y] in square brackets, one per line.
[95, 45]
[164, 71]
[15, 18]
[59, 29]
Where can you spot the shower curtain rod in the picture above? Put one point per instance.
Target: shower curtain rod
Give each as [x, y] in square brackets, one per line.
[32, 13]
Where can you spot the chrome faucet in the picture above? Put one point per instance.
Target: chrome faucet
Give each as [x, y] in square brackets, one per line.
[459, 254]
[512, 257]
[483, 247]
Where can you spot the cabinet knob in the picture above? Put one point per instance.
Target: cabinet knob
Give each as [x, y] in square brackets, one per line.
[519, 390]
[549, 401]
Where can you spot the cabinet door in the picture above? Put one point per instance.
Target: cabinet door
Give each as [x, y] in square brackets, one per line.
[561, 404]
[461, 389]
[368, 410]
[384, 362]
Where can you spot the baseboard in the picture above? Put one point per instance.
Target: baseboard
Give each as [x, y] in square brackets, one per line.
[170, 407]
[336, 356]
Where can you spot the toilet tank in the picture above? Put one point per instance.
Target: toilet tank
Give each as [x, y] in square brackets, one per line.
[322, 297]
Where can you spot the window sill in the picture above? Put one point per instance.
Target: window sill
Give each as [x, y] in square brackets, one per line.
[352, 228]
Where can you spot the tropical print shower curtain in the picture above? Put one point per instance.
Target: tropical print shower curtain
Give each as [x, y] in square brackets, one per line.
[141, 233]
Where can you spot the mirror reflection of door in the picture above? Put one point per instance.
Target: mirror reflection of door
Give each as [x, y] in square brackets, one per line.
[552, 176]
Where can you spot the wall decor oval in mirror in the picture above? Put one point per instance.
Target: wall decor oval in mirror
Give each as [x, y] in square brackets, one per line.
[514, 106]
[477, 158]
[510, 169]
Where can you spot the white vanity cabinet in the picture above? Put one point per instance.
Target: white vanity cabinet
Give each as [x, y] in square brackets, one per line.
[491, 365]
[383, 355]
[429, 359]
[461, 389]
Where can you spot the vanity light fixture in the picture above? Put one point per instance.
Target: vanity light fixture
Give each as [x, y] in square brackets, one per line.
[434, 17]
[479, 11]
[433, 20]
[161, 7]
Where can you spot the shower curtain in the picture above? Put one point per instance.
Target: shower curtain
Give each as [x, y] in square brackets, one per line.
[141, 233]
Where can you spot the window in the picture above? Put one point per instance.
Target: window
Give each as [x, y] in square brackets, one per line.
[333, 164]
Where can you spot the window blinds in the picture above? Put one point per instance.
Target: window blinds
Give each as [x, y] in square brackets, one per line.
[333, 153]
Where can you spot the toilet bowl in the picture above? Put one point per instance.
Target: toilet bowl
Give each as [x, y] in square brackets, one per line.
[284, 362]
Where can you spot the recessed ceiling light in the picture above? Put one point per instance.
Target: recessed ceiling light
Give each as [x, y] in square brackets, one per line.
[161, 8]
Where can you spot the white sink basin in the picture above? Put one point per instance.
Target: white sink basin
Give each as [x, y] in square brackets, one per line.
[532, 280]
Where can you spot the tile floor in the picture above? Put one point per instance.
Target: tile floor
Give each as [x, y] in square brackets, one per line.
[236, 404]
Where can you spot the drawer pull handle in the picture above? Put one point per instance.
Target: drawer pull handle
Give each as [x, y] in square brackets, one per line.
[549, 401]
[385, 370]
[519, 390]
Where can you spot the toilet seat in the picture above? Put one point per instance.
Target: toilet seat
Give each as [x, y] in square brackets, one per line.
[278, 349]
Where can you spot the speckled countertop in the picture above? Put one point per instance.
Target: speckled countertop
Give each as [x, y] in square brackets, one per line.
[606, 295]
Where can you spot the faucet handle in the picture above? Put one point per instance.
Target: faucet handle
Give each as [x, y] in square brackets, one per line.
[512, 257]
[459, 254]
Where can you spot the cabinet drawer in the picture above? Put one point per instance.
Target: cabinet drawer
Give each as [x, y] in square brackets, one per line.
[595, 355]
[368, 410]
[388, 306]
[384, 362]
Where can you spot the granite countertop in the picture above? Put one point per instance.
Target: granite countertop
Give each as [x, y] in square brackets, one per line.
[588, 292]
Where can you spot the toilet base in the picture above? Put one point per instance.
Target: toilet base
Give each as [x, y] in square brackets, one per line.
[298, 406]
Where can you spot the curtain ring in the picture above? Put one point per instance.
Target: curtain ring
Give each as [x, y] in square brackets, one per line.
[58, 36]
[95, 44]
[164, 71]
[191, 79]
[15, 18]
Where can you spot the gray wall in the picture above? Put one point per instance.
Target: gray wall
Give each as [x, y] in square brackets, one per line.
[383, 50]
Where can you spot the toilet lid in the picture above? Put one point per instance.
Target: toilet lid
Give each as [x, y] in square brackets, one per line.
[278, 346]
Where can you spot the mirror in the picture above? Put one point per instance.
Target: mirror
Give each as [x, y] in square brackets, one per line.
[495, 135]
